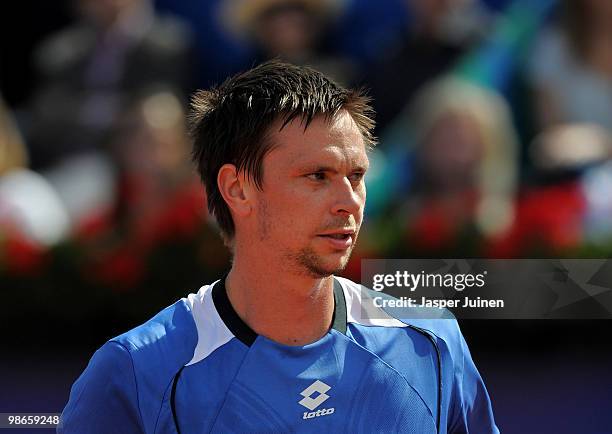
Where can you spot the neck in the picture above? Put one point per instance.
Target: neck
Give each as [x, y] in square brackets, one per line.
[289, 308]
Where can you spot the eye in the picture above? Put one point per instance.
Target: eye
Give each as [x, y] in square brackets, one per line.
[356, 177]
[316, 176]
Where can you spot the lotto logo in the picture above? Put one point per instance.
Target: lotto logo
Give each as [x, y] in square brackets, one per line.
[312, 403]
[308, 401]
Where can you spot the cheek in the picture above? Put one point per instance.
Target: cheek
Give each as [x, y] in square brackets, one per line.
[287, 211]
[362, 192]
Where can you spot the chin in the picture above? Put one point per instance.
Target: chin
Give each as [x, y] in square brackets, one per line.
[325, 267]
[317, 264]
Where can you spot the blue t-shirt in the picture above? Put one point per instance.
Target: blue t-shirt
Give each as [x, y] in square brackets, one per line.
[196, 367]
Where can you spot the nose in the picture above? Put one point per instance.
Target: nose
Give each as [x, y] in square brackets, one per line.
[349, 199]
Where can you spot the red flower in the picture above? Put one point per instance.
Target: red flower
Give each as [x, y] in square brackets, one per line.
[548, 219]
[22, 256]
[122, 268]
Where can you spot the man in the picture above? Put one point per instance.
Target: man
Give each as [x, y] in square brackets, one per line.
[116, 52]
[280, 344]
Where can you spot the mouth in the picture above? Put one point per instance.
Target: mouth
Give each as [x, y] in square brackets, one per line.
[341, 239]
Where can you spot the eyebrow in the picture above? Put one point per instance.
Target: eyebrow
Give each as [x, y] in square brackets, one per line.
[322, 168]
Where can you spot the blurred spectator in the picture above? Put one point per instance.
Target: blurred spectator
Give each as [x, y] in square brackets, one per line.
[85, 182]
[464, 169]
[459, 175]
[294, 30]
[153, 153]
[570, 202]
[368, 28]
[217, 52]
[32, 216]
[571, 66]
[441, 31]
[116, 51]
[160, 199]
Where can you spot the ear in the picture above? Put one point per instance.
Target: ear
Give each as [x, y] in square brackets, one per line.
[235, 189]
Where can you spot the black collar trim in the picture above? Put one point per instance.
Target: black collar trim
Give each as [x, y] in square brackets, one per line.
[339, 318]
[226, 311]
[246, 335]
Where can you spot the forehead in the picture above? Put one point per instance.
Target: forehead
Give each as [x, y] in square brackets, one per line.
[338, 138]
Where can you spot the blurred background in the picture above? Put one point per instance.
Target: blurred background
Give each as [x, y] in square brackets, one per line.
[494, 119]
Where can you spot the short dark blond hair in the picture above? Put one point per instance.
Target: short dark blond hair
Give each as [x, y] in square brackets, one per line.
[230, 122]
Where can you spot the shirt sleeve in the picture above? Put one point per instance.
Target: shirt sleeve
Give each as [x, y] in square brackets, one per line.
[104, 398]
[475, 413]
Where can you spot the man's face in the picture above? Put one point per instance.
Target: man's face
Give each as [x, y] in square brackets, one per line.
[311, 205]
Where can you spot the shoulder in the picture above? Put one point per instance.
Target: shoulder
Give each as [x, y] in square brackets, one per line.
[129, 377]
[180, 335]
[465, 398]
[165, 327]
[155, 351]
[367, 307]
[140, 365]
[169, 337]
